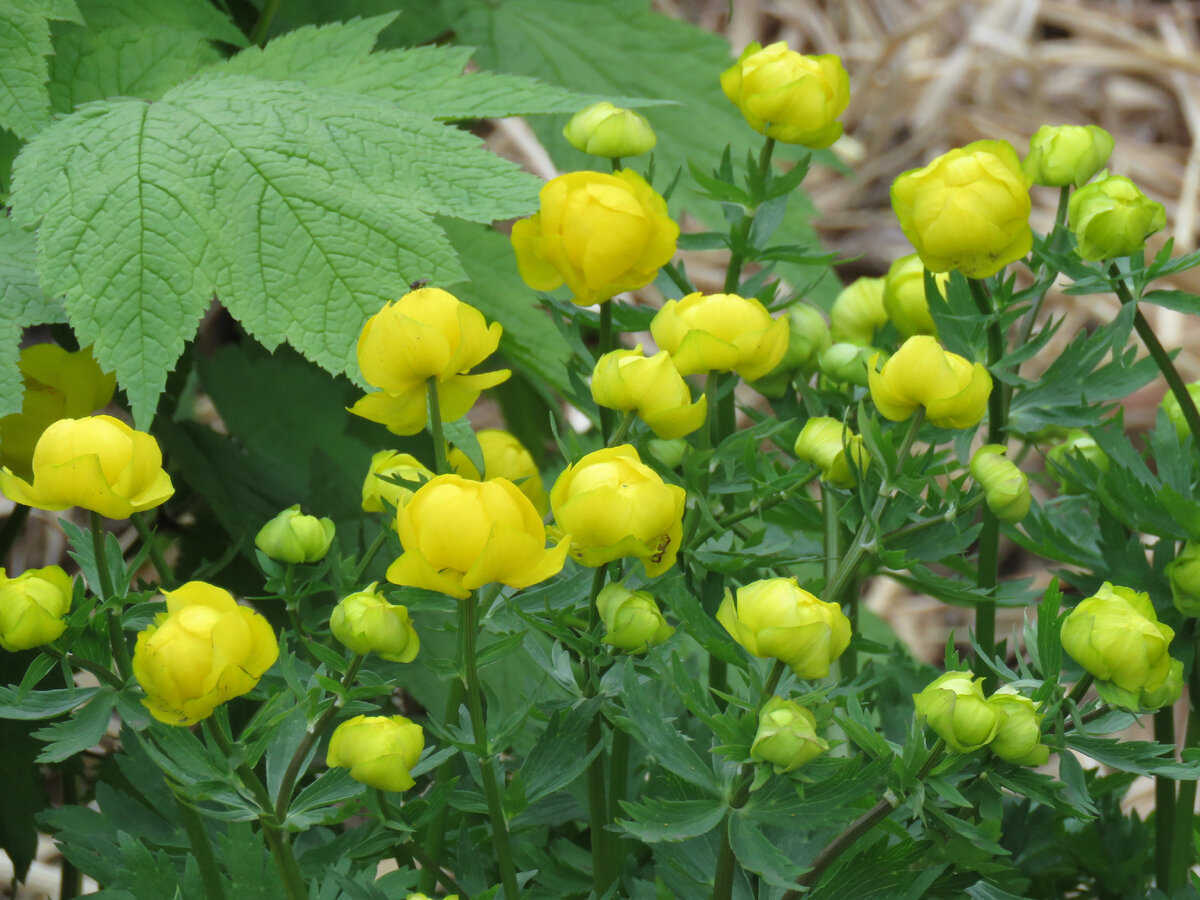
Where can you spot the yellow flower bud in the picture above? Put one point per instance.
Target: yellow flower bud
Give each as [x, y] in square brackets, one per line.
[1174, 411]
[504, 457]
[97, 463]
[823, 441]
[953, 391]
[613, 505]
[459, 535]
[808, 335]
[721, 333]
[599, 234]
[1184, 573]
[292, 537]
[1067, 154]
[606, 130]
[379, 751]
[1112, 217]
[1005, 487]
[858, 312]
[427, 333]
[366, 622]
[792, 98]
[967, 210]
[787, 736]
[904, 296]
[632, 619]
[58, 385]
[775, 618]
[392, 478]
[1115, 634]
[1079, 444]
[1018, 739]
[651, 386]
[204, 650]
[33, 607]
[847, 363]
[953, 705]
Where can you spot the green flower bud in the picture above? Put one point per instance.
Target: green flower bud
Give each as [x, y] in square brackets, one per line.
[293, 537]
[1111, 218]
[606, 130]
[904, 296]
[1078, 443]
[787, 736]
[33, 607]
[632, 620]
[1060, 155]
[1019, 737]
[366, 622]
[1184, 573]
[953, 705]
[1168, 693]
[847, 363]
[823, 441]
[1005, 487]
[808, 335]
[669, 453]
[858, 312]
[1174, 411]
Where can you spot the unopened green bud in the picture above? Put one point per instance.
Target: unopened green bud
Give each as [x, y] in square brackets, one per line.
[1019, 737]
[858, 312]
[1170, 406]
[1168, 693]
[808, 335]
[1112, 217]
[669, 453]
[904, 296]
[293, 537]
[632, 619]
[787, 736]
[953, 705]
[1005, 487]
[1078, 444]
[847, 363]
[1184, 573]
[1060, 155]
[824, 442]
[366, 622]
[606, 130]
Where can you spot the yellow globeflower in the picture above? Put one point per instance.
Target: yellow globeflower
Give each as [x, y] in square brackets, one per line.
[388, 468]
[721, 333]
[599, 234]
[97, 463]
[33, 606]
[904, 296]
[379, 751]
[953, 391]
[459, 535]
[427, 333]
[504, 457]
[204, 650]
[652, 387]
[833, 448]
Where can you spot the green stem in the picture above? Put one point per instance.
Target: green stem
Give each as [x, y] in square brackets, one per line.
[914, 527]
[616, 163]
[258, 35]
[165, 575]
[13, 526]
[376, 546]
[202, 849]
[622, 429]
[440, 466]
[678, 279]
[754, 509]
[105, 588]
[102, 672]
[741, 232]
[604, 344]
[830, 507]
[598, 809]
[435, 834]
[469, 610]
[112, 617]
[70, 879]
[708, 434]
[1183, 834]
[1164, 803]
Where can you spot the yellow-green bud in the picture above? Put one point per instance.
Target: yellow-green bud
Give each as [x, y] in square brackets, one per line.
[1060, 155]
[33, 606]
[858, 312]
[1184, 573]
[808, 335]
[787, 736]
[606, 130]
[1019, 737]
[293, 537]
[847, 363]
[904, 296]
[823, 441]
[366, 622]
[1005, 487]
[669, 453]
[1081, 444]
[1112, 217]
[632, 620]
[953, 705]
[1174, 411]
[379, 751]
[1168, 693]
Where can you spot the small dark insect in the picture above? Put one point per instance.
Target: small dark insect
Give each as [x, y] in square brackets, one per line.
[418, 284]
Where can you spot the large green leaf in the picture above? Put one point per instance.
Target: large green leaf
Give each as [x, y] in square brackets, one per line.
[21, 303]
[24, 47]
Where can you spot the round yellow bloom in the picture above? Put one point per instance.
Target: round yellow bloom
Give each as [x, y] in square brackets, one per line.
[824, 442]
[504, 457]
[967, 210]
[1060, 155]
[632, 619]
[366, 622]
[721, 333]
[1112, 217]
[1005, 487]
[904, 296]
[787, 736]
[97, 463]
[293, 537]
[953, 391]
[606, 130]
[459, 535]
[953, 705]
[599, 234]
[651, 386]
[388, 468]
[204, 650]
[33, 607]
[776, 618]
[792, 98]
[858, 312]
[427, 333]
[1018, 738]
[613, 505]
[58, 385]
[379, 751]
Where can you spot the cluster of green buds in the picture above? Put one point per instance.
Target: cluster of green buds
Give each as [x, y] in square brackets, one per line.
[1007, 723]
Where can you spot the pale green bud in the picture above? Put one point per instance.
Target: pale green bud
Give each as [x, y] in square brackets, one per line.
[1005, 487]
[1112, 217]
[847, 363]
[787, 736]
[1019, 737]
[1078, 443]
[293, 537]
[824, 442]
[366, 622]
[858, 312]
[1060, 155]
[904, 296]
[953, 706]
[632, 620]
[1184, 573]
[606, 130]
[1174, 411]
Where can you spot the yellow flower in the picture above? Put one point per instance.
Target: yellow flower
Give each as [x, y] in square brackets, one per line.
[1112, 217]
[600, 234]
[953, 705]
[1018, 738]
[203, 651]
[792, 98]
[967, 210]
[651, 386]
[58, 385]
[33, 607]
[293, 537]
[722, 333]
[632, 619]
[904, 296]
[953, 391]
[379, 751]
[787, 736]
[1067, 154]
[776, 618]
[366, 622]
[459, 535]
[606, 130]
[388, 467]
[1005, 487]
[97, 463]
[427, 333]
[613, 505]
[858, 312]
[504, 457]
[823, 441]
